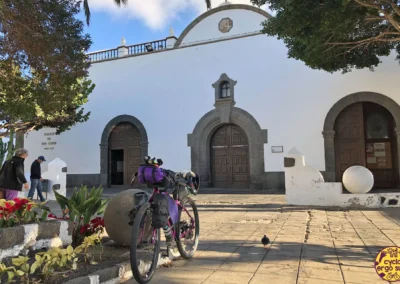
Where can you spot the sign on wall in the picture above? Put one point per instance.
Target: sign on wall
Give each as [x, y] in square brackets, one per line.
[49, 143]
[277, 149]
[379, 155]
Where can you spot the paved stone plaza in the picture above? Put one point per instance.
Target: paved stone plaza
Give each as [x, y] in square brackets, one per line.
[308, 245]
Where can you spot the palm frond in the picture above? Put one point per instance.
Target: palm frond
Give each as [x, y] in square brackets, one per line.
[208, 3]
[87, 11]
[119, 2]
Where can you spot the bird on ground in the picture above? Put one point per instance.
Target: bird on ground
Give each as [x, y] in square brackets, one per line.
[265, 240]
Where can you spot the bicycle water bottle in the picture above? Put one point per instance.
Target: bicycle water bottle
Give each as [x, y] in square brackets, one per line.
[168, 235]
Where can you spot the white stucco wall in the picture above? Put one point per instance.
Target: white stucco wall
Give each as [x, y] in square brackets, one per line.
[244, 22]
[170, 91]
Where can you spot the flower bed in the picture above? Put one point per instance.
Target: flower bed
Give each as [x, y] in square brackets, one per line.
[21, 211]
[81, 208]
[51, 266]
[23, 227]
[69, 239]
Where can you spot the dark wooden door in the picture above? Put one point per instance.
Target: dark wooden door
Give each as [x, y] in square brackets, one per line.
[365, 136]
[127, 137]
[230, 158]
[349, 139]
[381, 145]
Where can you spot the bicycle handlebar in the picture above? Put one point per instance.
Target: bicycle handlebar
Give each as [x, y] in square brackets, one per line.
[172, 175]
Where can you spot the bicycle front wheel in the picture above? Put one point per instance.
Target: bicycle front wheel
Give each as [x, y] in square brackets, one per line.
[188, 231]
[145, 246]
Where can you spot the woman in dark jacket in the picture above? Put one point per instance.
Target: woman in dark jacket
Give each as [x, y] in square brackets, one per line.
[12, 175]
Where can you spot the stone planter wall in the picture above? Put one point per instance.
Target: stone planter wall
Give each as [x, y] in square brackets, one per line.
[37, 236]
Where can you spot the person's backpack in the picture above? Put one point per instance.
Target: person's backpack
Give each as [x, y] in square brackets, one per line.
[160, 211]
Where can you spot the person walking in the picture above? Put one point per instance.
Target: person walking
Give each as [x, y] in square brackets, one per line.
[36, 178]
[12, 177]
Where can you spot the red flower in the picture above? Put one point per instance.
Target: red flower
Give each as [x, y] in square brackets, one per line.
[97, 222]
[84, 229]
[10, 208]
[95, 219]
[21, 201]
[17, 206]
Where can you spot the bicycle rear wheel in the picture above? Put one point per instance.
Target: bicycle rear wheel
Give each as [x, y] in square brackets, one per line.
[144, 237]
[188, 228]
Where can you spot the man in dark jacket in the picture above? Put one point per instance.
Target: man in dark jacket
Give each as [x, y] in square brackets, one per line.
[36, 178]
[12, 175]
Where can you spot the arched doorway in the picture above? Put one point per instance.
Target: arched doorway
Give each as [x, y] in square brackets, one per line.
[365, 135]
[230, 157]
[123, 146]
[124, 153]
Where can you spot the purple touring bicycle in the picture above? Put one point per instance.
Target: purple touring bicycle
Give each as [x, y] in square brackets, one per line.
[181, 226]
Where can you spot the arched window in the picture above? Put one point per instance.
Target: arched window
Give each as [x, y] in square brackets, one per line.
[225, 90]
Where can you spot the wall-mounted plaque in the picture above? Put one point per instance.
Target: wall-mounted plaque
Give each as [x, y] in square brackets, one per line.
[379, 155]
[277, 149]
[225, 25]
[49, 144]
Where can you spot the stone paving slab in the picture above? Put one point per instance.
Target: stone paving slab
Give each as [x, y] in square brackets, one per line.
[309, 245]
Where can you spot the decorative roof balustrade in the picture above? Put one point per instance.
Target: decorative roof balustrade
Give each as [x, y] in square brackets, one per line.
[128, 50]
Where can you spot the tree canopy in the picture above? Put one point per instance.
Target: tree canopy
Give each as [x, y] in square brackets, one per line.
[43, 65]
[336, 35]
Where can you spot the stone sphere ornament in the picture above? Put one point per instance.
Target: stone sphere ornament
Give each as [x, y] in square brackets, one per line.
[116, 216]
[358, 179]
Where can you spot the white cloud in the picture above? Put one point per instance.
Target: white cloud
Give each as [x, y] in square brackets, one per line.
[156, 14]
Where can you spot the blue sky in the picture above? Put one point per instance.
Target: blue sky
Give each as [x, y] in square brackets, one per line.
[142, 20]
[106, 31]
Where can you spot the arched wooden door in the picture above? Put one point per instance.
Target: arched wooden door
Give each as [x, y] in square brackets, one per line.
[124, 153]
[365, 136]
[230, 158]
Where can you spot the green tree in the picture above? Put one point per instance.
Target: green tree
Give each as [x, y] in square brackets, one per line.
[43, 65]
[336, 35]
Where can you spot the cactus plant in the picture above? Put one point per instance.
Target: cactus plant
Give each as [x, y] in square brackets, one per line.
[10, 145]
[3, 150]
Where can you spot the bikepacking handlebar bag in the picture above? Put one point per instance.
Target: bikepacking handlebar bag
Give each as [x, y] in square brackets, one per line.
[150, 174]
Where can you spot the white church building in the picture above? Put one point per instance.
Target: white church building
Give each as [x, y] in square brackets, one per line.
[224, 100]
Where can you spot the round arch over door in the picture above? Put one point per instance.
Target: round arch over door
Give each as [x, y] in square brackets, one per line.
[200, 141]
[230, 157]
[329, 132]
[105, 147]
[365, 135]
[124, 153]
